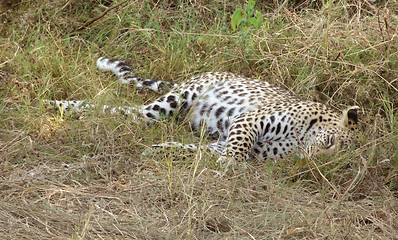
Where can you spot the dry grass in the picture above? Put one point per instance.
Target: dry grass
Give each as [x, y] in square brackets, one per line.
[83, 177]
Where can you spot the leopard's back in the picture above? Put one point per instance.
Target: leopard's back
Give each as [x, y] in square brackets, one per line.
[218, 97]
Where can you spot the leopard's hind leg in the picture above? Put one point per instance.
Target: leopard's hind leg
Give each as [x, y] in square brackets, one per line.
[81, 106]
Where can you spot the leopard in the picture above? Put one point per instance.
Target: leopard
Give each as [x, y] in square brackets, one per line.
[248, 118]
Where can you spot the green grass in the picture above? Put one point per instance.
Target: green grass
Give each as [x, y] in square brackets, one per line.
[69, 176]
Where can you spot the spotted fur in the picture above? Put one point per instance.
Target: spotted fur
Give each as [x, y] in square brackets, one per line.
[250, 118]
[125, 75]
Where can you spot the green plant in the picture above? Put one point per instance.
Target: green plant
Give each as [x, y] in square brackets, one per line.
[245, 19]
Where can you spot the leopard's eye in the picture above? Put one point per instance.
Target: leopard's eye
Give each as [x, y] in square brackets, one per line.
[330, 141]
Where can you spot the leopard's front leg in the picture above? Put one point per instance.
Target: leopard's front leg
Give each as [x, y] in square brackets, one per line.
[258, 133]
[242, 135]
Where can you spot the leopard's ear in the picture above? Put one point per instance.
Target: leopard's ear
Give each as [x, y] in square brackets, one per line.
[350, 116]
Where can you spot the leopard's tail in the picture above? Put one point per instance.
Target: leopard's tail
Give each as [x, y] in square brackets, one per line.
[126, 76]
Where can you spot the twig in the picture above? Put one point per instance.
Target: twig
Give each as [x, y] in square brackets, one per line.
[380, 26]
[307, 154]
[91, 21]
[353, 182]
[160, 22]
[320, 173]
[387, 26]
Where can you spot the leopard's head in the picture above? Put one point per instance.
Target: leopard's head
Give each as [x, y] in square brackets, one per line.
[335, 133]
